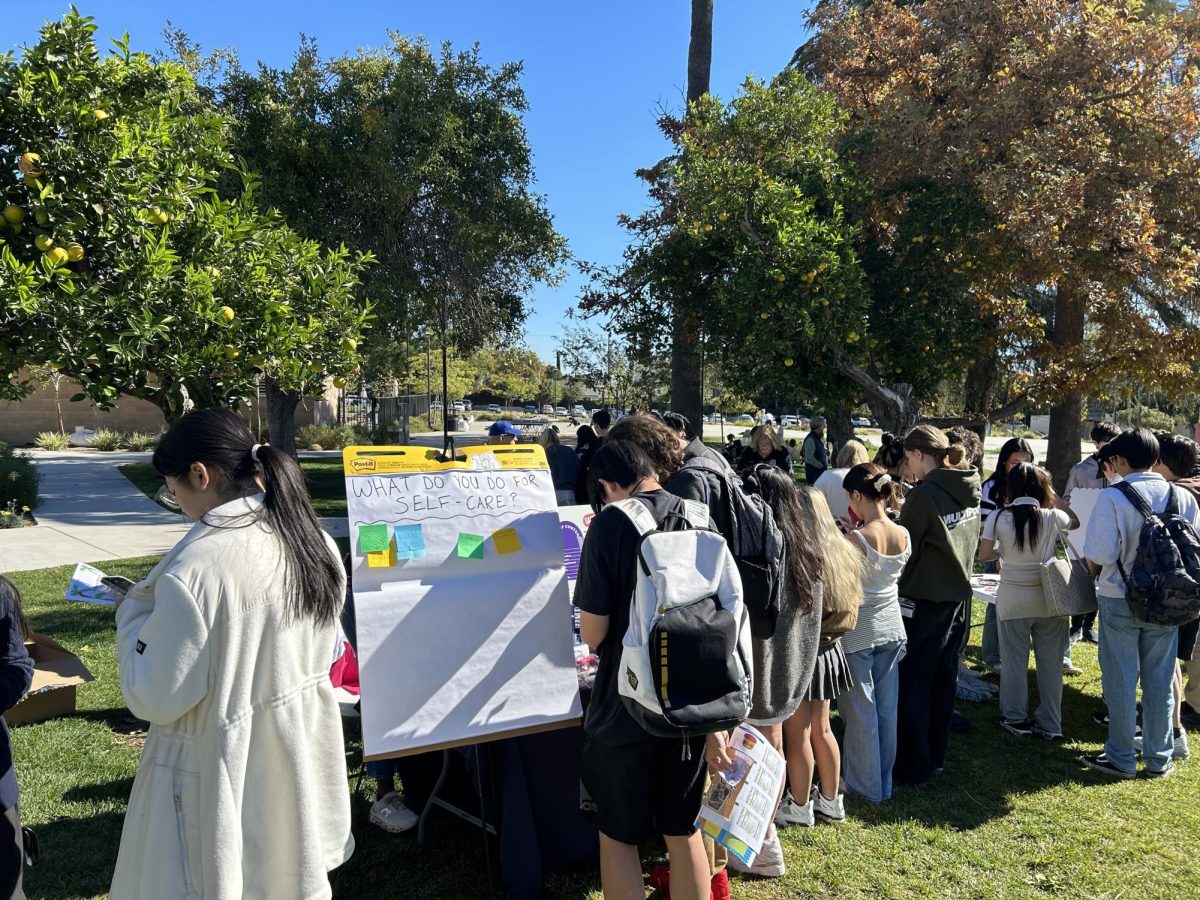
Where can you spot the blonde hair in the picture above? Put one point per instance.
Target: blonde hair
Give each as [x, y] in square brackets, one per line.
[761, 431]
[932, 442]
[549, 437]
[854, 453]
[841, 565]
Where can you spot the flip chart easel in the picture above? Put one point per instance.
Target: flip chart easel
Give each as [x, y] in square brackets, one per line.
[460, 595]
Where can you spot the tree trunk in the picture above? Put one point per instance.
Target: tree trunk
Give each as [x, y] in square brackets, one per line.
[893, 407]
[839, 428]
[686, 378]
[281, 417]
[1063, 451]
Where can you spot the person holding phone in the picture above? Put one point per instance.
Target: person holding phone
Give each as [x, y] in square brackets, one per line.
[225, 649]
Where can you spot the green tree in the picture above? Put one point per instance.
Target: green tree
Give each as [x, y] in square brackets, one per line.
[750, 238]
[418, 156]
[123, 267]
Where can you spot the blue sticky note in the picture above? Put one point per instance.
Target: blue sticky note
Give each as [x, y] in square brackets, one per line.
[410, 541]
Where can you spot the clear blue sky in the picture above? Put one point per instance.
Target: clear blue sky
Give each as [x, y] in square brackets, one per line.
[596, 72]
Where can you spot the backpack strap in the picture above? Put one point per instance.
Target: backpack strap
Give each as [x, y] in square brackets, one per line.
[638, 514]
[697, 513]
[1172, 502]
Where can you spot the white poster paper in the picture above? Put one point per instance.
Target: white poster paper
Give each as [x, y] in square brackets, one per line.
[1083, 502]
[461, 599]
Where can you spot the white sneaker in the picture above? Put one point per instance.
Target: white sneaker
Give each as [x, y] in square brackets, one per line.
[390, 814]
[792, 813]
[830, 809]
[769, 861]
[1179, 748]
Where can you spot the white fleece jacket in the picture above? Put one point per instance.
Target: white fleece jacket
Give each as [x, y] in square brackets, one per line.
[241, 791]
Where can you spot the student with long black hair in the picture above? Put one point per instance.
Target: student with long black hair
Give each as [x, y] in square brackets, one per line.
[16, 673]
[1024, 534]
[992, 497]
[225, 648]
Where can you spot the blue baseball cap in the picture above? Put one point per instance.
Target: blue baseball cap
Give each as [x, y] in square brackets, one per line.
[504, 427]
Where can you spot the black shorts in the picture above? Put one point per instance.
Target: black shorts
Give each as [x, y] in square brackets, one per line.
[640, 790]
[1187, 640]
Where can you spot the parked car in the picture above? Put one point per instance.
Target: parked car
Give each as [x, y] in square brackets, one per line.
[530, 409]
[790, 421]
[436, 404]
[744, 419]
[458, 406]
[467, 405]
[578, 410]
[560, 410]
[494, 408]
[861, 422]
[547, 410]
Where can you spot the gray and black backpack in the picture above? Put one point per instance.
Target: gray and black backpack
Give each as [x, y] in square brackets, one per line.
[1163, 587]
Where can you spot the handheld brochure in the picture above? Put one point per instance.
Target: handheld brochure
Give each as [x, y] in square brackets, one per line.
[739, 805]
[86, 587]
[460, 595]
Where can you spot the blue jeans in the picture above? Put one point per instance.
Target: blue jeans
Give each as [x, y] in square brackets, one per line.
[1127, 645]
[869, 711]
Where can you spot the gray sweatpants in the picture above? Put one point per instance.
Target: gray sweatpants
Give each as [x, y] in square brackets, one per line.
[1050, 638]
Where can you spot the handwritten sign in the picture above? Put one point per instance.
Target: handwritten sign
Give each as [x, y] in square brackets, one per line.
[461, 620]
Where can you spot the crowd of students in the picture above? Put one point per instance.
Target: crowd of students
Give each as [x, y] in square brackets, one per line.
[878, 561]
[874, 587]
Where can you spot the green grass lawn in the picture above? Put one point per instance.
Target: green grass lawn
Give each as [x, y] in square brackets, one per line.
[1010, 817]
[326, 483]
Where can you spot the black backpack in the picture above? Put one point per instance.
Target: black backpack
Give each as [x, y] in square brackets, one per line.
[1163, 588]
[754, 540]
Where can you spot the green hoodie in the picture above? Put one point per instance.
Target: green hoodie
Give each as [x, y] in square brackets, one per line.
[942, 517]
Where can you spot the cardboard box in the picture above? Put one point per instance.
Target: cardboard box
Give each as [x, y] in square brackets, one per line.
[57, 672]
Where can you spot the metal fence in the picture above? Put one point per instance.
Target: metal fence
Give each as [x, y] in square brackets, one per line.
[387, 417]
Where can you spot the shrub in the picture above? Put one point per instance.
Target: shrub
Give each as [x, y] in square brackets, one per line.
[327, 437]
[18, 480]
[52, 440]
[488, 416]
[1154, 419]
[107, 440]
[141, 440]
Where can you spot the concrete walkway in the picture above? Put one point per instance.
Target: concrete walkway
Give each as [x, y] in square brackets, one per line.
[91, 512]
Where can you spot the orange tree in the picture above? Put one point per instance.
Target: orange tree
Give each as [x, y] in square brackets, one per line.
[1065, 133]
[122, 266]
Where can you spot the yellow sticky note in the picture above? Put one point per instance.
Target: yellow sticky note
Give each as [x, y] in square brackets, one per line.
[507, 541]
[382, 559]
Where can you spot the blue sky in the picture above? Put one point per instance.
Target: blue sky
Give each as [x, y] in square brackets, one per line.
[595, 73]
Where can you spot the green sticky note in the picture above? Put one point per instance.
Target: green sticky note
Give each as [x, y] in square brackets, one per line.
[373, 538]
[470, 546]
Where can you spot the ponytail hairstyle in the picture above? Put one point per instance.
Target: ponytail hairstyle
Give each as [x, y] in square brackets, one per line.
[1027, 480]
[549, 437]
[802, 557]
[891, 454]
[996, 493]
[873, 482]
[932, 442]
[841, 564]
[972, 446]
[220, 440]
[10, 596]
